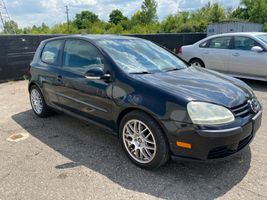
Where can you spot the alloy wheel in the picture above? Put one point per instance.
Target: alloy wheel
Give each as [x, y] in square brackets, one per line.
[139, 141]
[36, 101]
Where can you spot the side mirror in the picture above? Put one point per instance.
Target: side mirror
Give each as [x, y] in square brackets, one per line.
[96, 73]
[257, 49]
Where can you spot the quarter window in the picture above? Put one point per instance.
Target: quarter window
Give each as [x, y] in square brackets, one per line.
[220, 43]
[80, 56]
[51, 51]
[244, 43]
[204, 44]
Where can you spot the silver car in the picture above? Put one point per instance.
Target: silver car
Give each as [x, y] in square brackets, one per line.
[241, 55]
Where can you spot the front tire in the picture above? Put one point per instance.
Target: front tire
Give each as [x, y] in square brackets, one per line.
[197, 63]
[143, 140]
[39, 106]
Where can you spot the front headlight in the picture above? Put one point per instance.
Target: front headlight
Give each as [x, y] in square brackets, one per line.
[209, 114]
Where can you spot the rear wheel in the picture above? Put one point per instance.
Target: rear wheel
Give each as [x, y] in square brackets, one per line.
[39, 106]
[143, 140]
[197, 63]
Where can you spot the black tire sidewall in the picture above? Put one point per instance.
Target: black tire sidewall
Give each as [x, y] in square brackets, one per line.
[162, 151]
[198, 61]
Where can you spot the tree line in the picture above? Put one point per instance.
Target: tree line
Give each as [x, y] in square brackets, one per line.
[146, 21]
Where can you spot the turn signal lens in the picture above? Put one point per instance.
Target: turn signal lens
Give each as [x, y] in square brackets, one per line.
[184, 145]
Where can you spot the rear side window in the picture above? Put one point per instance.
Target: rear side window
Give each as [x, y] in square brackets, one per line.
[220, 43]
[51, 52]
[80, 56]
[244, 43]
[204, 44]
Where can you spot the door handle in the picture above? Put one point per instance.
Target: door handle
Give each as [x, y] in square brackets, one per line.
[236, 54]
[206, 52]
[59, 78]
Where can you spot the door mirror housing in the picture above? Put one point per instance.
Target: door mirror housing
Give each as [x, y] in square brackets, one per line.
[257, 49]
[96, 73]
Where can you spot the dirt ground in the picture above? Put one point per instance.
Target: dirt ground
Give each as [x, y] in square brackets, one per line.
[63, 158]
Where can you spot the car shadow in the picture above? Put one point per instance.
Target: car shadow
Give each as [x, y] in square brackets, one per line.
[89, 146]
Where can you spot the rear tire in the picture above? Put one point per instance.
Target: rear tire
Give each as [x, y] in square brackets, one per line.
[143, 140]
[39, 106]
[197, 63]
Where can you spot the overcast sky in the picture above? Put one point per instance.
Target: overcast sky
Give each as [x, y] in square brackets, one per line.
[30, 12]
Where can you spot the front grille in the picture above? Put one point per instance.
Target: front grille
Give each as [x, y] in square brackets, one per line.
[242, 111]
[224, 151]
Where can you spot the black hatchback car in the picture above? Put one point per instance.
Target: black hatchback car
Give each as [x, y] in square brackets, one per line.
[153, 101]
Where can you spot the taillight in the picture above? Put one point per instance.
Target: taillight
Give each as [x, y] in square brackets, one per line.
[180, 50]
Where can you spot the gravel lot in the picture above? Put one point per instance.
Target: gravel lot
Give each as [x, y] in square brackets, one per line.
[63, 158]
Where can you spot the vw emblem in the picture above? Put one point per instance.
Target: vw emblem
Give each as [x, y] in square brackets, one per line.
[254, 105]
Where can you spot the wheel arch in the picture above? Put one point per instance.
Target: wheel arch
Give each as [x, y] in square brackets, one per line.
[32, 84]
[131, 109]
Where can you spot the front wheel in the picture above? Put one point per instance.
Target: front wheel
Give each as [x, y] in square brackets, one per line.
[143, 140]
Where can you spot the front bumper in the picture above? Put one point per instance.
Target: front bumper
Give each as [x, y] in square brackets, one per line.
[212, 144]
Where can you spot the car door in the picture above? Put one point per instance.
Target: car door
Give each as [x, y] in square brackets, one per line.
[216, 53]
[78, 95]
[47, 69]
[244, 61]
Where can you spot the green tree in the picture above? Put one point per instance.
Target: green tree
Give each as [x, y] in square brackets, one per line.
[257, 10]
[251, 10]
[136, 19]
[217, 13]
[240, 13]
[97, 27]
[177, 23]
[64, 28]
[83, 19]
[11, 27]
[115, 29]
[116, 17]
[149, 11]
[44, 29]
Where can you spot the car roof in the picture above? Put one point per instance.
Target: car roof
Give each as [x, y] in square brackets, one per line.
[252, 34]
[94, 37]
[239, 34]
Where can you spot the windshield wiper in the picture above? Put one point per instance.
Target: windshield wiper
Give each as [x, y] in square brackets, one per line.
[143, 72]
[171, 69]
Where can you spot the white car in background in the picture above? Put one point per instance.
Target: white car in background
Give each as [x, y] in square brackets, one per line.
[241, 55]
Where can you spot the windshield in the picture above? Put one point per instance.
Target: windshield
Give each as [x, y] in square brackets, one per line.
[140, 56]
[263, 38]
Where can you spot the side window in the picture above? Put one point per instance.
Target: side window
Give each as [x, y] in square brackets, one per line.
[204, 44]
[50, 53]
[220, 43]
[244, 43]
[79, 56]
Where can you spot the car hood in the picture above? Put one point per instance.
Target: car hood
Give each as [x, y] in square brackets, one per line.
[199, 84]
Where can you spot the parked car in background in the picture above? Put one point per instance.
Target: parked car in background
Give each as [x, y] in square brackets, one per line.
[242, 55]
[157, 105]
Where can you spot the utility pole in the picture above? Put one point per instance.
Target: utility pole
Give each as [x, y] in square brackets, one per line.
[2, 23]
[4, 18]
[68, 20]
